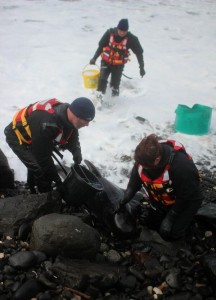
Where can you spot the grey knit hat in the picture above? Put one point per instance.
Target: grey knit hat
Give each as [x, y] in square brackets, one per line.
[83, 108]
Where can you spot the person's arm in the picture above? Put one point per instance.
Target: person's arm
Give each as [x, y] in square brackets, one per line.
[104, 41]
[137, 49]
[74, 147]
[134, 185]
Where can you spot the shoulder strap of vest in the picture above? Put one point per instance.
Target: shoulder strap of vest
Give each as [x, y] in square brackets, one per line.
[176, 147]
[20, 137]
[172, 154]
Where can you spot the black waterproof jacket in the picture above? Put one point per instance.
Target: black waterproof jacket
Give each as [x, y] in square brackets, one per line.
[45, 127]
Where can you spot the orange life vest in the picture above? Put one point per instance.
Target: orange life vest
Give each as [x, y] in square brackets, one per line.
[161, 189]
[21, 126]
[116, 53]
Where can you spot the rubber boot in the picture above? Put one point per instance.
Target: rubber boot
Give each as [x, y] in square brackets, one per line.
[115, 92]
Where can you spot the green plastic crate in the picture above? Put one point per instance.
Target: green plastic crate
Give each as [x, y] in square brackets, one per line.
[195, 120]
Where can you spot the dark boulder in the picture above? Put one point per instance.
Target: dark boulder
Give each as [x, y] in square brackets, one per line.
[66, 235]
[6, 173]
[79, 273]
[14, 211]
[207, 215]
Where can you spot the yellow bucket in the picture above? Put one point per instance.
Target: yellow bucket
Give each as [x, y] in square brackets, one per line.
[90, 76]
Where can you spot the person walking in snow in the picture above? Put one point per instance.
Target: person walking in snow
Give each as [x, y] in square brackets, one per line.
[114, 50]
[37, 128]
[172, 184]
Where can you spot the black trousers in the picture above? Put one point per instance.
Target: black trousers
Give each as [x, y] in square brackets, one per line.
[35, 176]
[182, 223]
[105, 71]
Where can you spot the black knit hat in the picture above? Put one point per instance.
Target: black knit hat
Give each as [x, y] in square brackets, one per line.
[123, 25]
[83, 108]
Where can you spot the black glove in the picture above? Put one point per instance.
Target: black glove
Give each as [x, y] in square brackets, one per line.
[92, 61]
[167, 224]
[120, 206]
[61, 188]
[77, 156]
[142, 71]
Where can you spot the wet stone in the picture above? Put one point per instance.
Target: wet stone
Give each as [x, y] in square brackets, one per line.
[143, 262]
[23, 259]
[128, 282]
[173, 279]
[113, 256]
[29, 289]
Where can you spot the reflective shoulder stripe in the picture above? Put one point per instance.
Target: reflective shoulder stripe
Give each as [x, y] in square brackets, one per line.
[14, 120]
[140, 168]
[124, 42]
[34, 106]
[58, 138]
[111, 38]
[106, 54]
[48, 106]
[166, 176]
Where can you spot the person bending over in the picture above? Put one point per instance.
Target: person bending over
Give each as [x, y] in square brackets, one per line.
[172, 184]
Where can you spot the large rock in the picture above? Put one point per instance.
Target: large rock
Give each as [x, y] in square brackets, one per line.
[207, 215]
[209, 263]
[74, 272]
[66, 235]
[6, 173]
[15, 211]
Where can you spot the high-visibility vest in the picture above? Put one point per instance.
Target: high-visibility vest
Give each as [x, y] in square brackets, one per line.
[21, 126]
[116, 53]
[161, 188]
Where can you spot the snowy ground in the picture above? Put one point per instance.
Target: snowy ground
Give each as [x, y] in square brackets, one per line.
[45, 45]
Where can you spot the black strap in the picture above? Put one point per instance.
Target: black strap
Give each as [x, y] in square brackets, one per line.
[58, 152]
[127, 76]
[56, 159]
[172, 154]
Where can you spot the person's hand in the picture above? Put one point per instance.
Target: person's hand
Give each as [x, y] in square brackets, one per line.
[92, 61]
[119, 206]
[142, 71]
[61, 189]
[77, 157]
[167, 224]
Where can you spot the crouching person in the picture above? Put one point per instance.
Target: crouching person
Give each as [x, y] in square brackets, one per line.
[172, 184]
[37, 128]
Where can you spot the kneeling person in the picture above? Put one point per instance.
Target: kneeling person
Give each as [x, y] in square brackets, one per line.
[171, 181]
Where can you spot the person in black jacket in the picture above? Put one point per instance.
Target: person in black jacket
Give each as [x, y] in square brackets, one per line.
[38, 128]
[113, 48]
[172, 185]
